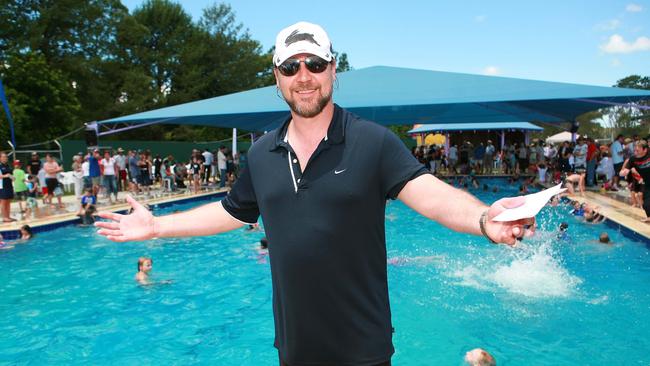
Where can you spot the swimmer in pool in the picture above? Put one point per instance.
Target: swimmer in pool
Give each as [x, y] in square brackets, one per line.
[562, 234]
[479, 357]
[26, 232]
[145, 264]
[604, 238]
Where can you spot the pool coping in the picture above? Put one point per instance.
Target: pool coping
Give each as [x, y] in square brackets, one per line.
[72, 219]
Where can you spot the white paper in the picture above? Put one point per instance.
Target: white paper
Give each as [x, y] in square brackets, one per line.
[534, 203]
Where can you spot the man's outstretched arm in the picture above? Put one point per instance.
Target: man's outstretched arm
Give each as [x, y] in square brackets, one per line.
[460, 211]
[208, 219]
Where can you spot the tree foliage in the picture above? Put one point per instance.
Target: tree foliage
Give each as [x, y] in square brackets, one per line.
[42, 102]
[104, 62]
[629, 120]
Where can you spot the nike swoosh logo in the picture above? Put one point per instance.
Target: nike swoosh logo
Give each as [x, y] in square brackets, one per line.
[339, 171]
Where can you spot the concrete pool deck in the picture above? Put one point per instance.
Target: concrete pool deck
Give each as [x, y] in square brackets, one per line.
[50, 214]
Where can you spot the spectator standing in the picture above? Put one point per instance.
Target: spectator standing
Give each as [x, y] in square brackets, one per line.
[208, 158]
[94, 170]
[580, 156]
[488, 158]
[52, 168]
[618, 156]
[452, 158]
[144, 164]
[20, 184]
[6, 187]
[34, 165]
[222, 166]
[156, 163]
[522, 156]
[120, 160]
[77, 175]
[85, 170]
[108, 175]
[134, 172]
[479, 153]
[592, 160]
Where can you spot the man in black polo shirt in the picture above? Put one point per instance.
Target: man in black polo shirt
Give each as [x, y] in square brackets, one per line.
[320, 183]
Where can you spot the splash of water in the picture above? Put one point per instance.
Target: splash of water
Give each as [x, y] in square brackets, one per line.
[533, 271]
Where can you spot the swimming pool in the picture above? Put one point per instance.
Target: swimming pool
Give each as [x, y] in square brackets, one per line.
[68, 297]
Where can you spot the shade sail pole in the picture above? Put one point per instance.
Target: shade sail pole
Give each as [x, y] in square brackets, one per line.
[5, 104]
[234, 142]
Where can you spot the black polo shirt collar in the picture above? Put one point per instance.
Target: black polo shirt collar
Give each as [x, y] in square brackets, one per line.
[335, 131]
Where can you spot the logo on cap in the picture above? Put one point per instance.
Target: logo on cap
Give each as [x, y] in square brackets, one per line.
[297, 37]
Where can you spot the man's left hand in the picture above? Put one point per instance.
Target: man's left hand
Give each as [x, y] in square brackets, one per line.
[508, 232]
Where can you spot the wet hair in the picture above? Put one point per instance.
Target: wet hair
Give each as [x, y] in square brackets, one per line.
[564, 226]
[603, 238]
[141, 261]
[264, 243]
[28, 230]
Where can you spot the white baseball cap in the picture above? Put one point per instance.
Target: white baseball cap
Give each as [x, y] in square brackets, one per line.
[302, 37]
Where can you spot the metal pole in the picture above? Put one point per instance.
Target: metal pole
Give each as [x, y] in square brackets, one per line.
[13, 150]
[234, 142]
[61, 150]
[5, 104]
[503, 139]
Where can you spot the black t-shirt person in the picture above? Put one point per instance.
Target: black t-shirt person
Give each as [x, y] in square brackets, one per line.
[642, 166]
[34, 166]
[7, 188]
[326, 238]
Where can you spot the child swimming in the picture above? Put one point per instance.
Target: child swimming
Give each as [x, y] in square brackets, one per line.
[479, 357]
[145, 264]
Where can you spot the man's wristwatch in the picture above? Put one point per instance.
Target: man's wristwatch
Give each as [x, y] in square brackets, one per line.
[481, 222]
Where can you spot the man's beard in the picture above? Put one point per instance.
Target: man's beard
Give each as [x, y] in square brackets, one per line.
[309, 110]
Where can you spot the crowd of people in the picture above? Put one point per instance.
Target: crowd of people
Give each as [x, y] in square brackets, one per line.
[578, 165]
[105, 173]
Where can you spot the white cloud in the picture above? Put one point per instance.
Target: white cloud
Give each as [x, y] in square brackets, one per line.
[480, 18]
[616, 44]
[609, 25]
[491, 70]
[633, 8]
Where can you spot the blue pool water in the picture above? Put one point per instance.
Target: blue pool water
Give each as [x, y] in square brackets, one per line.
[69, 297]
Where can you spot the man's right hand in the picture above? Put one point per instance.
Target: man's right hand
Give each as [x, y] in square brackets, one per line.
[139, 225]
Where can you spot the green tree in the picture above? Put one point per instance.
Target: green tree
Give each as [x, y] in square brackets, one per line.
[342, 63]
[626, 119]
[42, 102]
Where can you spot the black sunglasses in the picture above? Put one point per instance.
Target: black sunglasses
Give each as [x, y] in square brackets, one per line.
[314, 64]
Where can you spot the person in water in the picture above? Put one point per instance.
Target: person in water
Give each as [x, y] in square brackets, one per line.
[145, 264]
[26, 232]
[604, 238]
[479, 357]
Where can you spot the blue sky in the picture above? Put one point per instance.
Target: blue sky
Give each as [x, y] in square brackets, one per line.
[583, 42]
